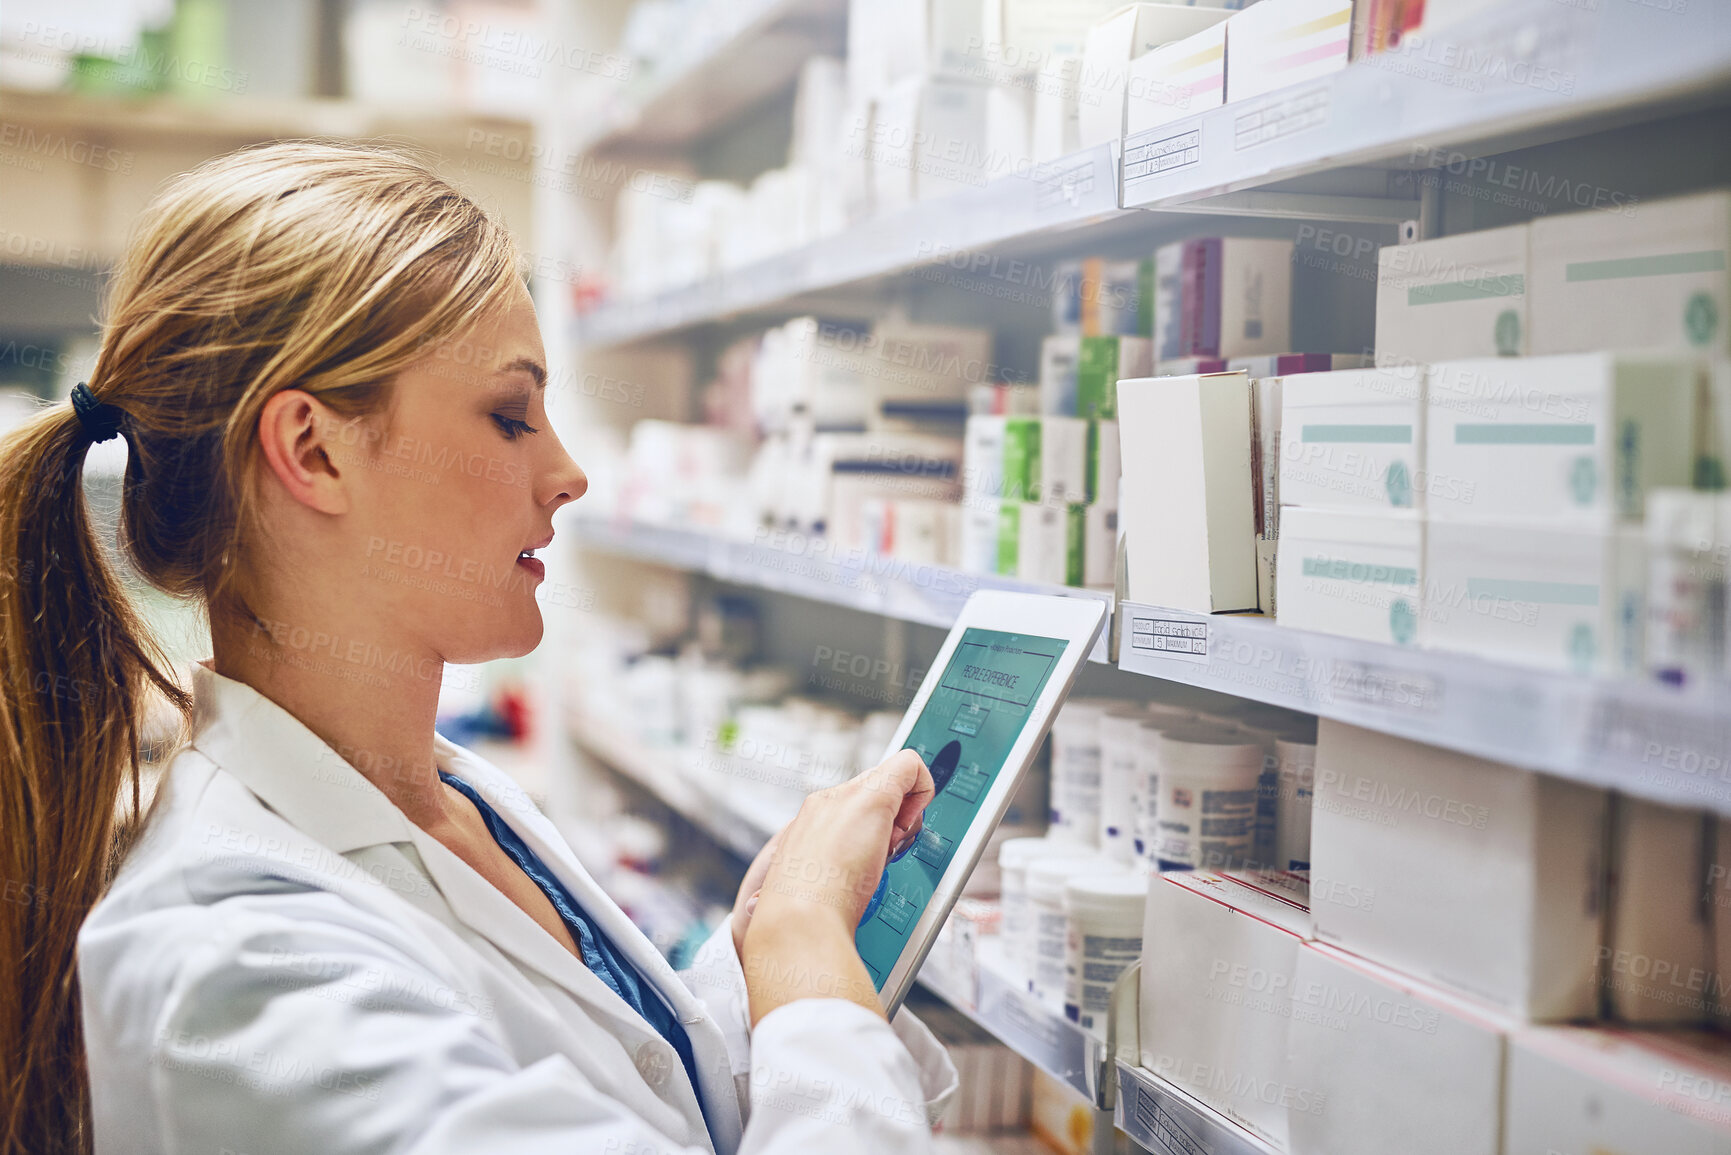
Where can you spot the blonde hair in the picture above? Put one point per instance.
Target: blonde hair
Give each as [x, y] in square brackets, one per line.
[321, 267]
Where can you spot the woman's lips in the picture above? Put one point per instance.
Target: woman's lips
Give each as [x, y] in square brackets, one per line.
[535, 566]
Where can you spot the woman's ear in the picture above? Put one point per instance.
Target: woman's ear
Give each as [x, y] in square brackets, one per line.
[295, 431]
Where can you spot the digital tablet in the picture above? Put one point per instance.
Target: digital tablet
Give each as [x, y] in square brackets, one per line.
[985, 705]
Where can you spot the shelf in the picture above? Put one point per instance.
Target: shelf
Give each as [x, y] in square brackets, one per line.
[814, 569]
[1062, 195]
[232, 118]
[1170, 1121]
[711, 79]
[1518, 73]
[1641, 738]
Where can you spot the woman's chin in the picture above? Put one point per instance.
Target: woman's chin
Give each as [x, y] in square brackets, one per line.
[512, 639]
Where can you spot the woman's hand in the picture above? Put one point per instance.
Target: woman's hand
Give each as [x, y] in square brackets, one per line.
[798, 941]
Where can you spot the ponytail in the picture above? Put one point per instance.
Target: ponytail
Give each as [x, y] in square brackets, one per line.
[75, 662]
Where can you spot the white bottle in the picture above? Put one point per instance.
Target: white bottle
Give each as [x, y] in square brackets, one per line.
[1105, 937]
[1120, 739]
[1145, 800]
[1014, 858]
[1297, 758]
[1075, 799]
[1051, 930]
[1209, 777]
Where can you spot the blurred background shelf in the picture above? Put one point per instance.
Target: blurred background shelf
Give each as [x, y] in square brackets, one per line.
[1514, 75]
[808, 567]
[1644, 739]
[744, 54]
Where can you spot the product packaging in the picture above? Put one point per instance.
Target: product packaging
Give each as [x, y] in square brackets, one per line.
[1174, 81]
[1130, 32]
[1352, 573]
[1452, 298]
[1353, 439]
[1279, 43]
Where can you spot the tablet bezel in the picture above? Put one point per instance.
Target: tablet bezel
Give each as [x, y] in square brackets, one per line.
[1075, 620]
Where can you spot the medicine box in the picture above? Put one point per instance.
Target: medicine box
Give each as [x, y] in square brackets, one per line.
[1115, 298]
[1175, 81]
[1573, 440]
[1041, 543]
[1353, 439]
[1277, 43]
[1536, 594]
[1100, 364]
[1452, 298]
[1058, 356]
[1647, 274]
[1475, 875]
[1220, 955]
[978, 550]
[1222, 297]
[1132, 31]
[1186, 504]
[1352, 573]
[1401, 1064]
[1658, 966]
[1582, 1091]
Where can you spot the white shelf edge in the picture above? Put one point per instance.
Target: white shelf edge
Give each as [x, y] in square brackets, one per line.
[1590, 66]
[1641, 738]
[805, 567]
[1167, 1120]
[1051, 196]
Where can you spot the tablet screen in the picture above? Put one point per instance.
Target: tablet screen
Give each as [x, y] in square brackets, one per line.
[973, 718]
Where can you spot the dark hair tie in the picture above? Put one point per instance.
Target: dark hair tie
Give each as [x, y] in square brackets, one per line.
[100, 419]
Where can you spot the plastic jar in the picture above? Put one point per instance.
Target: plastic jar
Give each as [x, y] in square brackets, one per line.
[1267, 793]
[1120, 738]
[1207, 798]
[1145, 797]
[1106, 914]
[1074, 808]
[1014, 857]
[1297, 789]
[1051, 933]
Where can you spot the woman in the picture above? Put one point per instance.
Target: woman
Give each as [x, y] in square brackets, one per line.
[337, 931]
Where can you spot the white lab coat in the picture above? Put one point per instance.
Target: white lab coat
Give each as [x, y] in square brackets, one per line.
[287, 964]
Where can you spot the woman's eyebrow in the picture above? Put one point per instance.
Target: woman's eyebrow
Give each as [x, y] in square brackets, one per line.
[530, 366]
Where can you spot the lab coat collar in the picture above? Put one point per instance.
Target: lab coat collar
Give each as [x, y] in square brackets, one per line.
[295, 773]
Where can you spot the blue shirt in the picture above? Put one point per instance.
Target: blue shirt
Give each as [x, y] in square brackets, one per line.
[599, 953]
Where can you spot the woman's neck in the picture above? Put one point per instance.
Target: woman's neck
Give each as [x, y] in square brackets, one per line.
[371, 701]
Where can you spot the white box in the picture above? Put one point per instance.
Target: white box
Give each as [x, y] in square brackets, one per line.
[1099, 546]
[1474, 874]
[1059, 355]
[1353, 439]
[978, 549]
[1658, 953]
[1057, 130]
[1043, 542]
[1401, 1065]
[1277, 43]
[1115, 298]
[1572, 440]
[1222, 297]
[1101, 363]
[1580, 1091]
[922, 531]
[1536, 594]
[1030, 34]
[1647, 275]
[1105, 470]
[895, 119]
[1220, 953]
[1009, 129]
[1453, 298]
[1062, 478]
[1352, 573]
[1186, 505]
[1176, 80]
[1130, 32]
[950, 148]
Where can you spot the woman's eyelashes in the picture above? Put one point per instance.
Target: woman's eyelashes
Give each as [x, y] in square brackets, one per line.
[513, 427]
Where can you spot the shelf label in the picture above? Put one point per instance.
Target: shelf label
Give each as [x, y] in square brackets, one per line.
[1172, 636]
[1370, 684]
[1296, 113]
[1163, 155]
[1065, 185]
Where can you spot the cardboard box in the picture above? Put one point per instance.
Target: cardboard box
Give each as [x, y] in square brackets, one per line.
[1220, 956]
[1352, 573]
[1002, 457]
[1130, 32]
[1059, 354]
[1277, 43]
[1222, 297]
[1580, 1091]
[1265, 412]
[1176, 80]
[1453, 298]
[1099, 546]
[1353, 439]
[1116, 298]
[1186, 506]
[1189, 366]
[1401, 1065]
[1476, 875]
[1535, 594]
[1575, 440]
[850, 468]
[1046, 548]
[1658, 953]
[1104, 470]
[1647, 275]
[978, 549]
[1101, 363]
